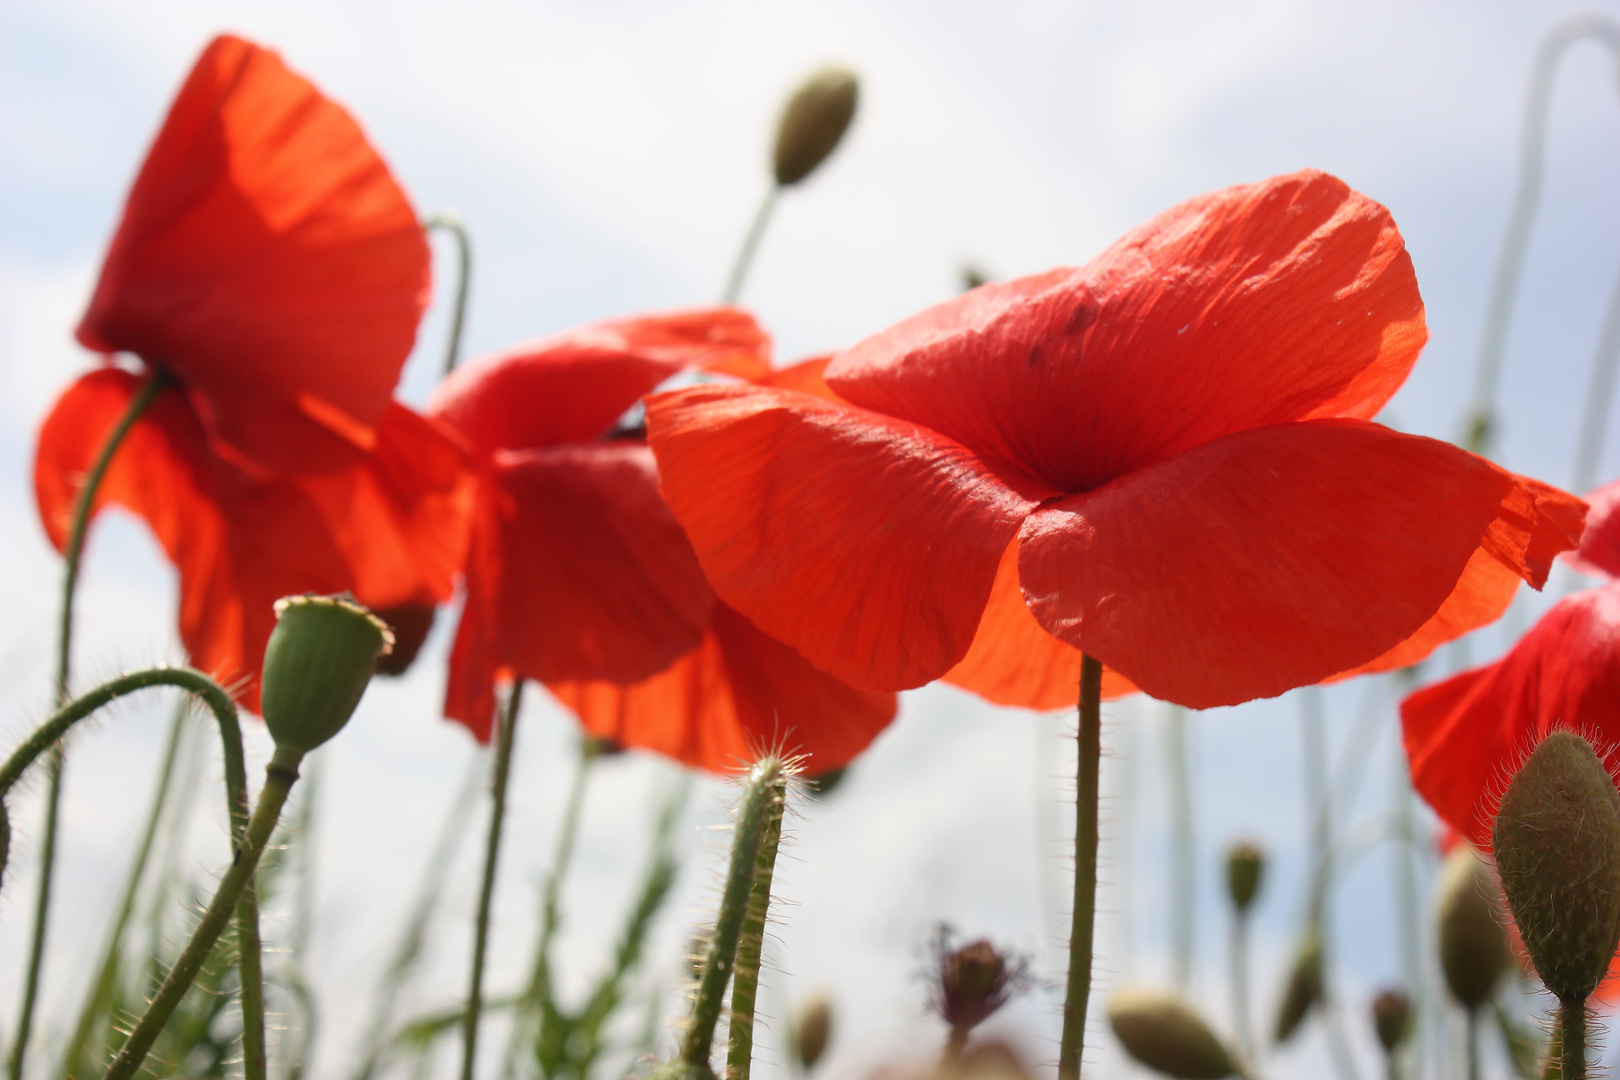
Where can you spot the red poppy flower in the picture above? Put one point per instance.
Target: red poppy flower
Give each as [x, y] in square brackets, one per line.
[1176, 441]
[580, 577]
[268, 264]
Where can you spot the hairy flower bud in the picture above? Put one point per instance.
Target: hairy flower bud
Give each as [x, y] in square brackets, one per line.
[1557, 840]
[1304, 989]
[815, 119]
[1166, 1034]
[320, 658]
[1468, 913]
[973, 981]
[1245, 867]
[811, 1029]
[1392, 1018]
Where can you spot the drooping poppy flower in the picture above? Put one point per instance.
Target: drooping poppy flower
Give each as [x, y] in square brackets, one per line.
[1164, 459]
[579, 576]
[268, 266]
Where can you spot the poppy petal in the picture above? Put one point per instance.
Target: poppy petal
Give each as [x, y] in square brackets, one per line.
[1287, 300]
[1278, 557]
[1599, 553]
[739, 693]
[1014, 661]
[572, 387]
[267, 258]
[1466, 736]
[868, 544]
[587, 576]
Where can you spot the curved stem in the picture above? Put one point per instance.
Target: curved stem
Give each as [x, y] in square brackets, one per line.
[280, 775]
[486, 896]
[1082, 924]
[757, 799]
[1572, 1032]
[751, 942]
[750, 245]
[82, 506]
[1480, 431]
[452, 224]
[1599, 392]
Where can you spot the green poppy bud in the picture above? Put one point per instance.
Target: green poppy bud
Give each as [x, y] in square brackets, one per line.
[1392, 1018]
[1304, 989]
[1245, 866]
[1468, 910]
[320, 658]
[811, 1029]
[1557, 839]
[1166, 1034]
[815, 119]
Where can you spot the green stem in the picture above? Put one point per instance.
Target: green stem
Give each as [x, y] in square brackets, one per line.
[1082, 926]
[101, 987]
[1240, 985]
[486, 896]
[745, 254]
[452, 224]
[1572, 1030]
[759, 795]
[250, 966]
[1182, 850]
[83, 504]
[280, 775]
[1471, 1033]
[751, 943]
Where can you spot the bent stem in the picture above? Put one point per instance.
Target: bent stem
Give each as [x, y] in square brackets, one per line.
[452, 224]
[751, 943]
[82, 504]
[1082, 925]
[750, 245]
[486, 897]
[280, 775]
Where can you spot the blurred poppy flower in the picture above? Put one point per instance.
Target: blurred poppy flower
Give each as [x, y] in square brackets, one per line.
[580, 577]
[1163, 459]
[268, 264]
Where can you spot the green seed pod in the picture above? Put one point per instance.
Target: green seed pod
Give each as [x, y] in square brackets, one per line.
[1557, 840]
[1468, 912]
[815, 119]
[1166, 1034]
[811, 1029]
[1392, 1018]
[320, 658]
[1304, 989]
[1245, 867]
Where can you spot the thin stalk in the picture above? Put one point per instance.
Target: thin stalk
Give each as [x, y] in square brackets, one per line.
[1572, 1031]
[750, 245]
[82, 506]
[101, 986]
[752, 813]
[1471, 1033]
[1599, 392]
[280, 775]
[1480, 429]
[250, 965]
[486, 897]
[751, 943]
[1241, 1023]
[452, 224]
[1085, 870]
[1182, 883]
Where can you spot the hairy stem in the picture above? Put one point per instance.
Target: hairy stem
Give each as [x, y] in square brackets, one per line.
[751, 943]
[1082, 925]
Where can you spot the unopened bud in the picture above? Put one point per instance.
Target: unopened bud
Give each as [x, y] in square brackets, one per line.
[973, 981]
[815, 119]
[1468, 909]
[811, 1030]
[1166, 1034]
[1245, 867]
[410, 624]
[1392, 1018]
[1304, 989]
[320, 657]
[1557, 840]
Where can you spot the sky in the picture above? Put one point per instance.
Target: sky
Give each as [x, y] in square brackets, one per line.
[607, 158]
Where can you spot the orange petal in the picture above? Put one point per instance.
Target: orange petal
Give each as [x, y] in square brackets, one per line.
[268, 258]
[806, 377]
[1277, 557]
[572, 387]
[1286, 300]
[868, 544]
[587, 576]
[1014, 661]
[1468, 735]
[738, 694]
[241, 542]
